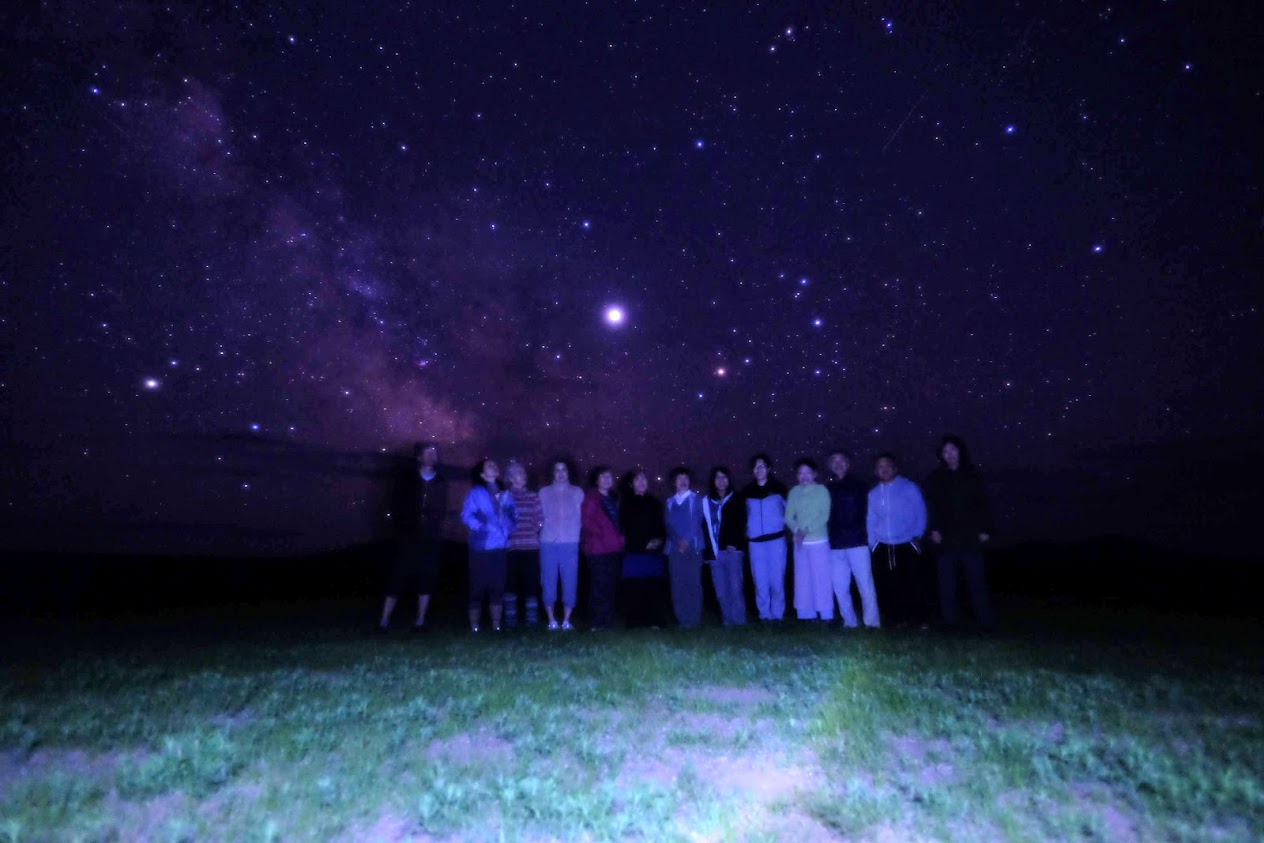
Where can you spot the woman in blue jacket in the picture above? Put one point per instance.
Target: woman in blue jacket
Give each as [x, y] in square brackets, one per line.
[490, 514]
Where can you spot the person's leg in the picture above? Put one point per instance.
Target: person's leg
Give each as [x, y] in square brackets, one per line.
[478, 586]
[761, 563]
[912, 569]
[498, 569]
[596, 589]
[840, 579]
[777, 578]
[804, 606]
[530, 585]
[429, 576]
[861, 566]
[388, 607]
[685, 570]
[569, 568]
[719, 581]
[976, 582]
[512, 575]
[737, 586]
[947, 563]
[822, 588]
[887, 584]
[550, 557]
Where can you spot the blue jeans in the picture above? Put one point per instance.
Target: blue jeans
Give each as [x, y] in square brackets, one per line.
[559, 560]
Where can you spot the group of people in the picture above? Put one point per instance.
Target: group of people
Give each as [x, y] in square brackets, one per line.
[525, 545]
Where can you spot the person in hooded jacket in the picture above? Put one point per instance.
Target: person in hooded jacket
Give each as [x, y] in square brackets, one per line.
[765, 500]
[959, 518]
[895, 524]
[726, 534]
[602, 542]
[490, 515]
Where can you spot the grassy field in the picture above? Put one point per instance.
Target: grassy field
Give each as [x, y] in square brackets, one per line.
[1124, 728]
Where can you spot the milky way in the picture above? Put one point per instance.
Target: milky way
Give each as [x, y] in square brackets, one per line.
[351, 228]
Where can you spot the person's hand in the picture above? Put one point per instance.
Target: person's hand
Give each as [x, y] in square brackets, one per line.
[984, 538]
[731, 548]
[799, 536]
[937, 538]
[653, 544]
[682, 545]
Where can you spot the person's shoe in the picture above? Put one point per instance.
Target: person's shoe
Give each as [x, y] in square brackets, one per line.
[566, 625]
[420, 629]
[496, 628]
[554, 625]
[473, 629]
[382, 629]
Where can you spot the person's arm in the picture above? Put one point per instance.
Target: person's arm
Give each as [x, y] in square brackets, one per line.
[471, 516]
[919, 510]
[871, 521]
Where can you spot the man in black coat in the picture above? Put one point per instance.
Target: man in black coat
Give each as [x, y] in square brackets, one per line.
[420, 506]
[959, 520]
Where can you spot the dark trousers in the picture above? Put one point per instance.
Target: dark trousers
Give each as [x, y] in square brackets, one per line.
[603, 578]
[487, 577]
[644, 601]
[902, 580]
[951, 565]
[416, 566]
[523, 578]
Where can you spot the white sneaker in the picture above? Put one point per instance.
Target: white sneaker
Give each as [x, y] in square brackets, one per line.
[553, 625]
[566, 625]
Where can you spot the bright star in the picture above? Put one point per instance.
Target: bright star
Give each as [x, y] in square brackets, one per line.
[699, 143]
[615, 315]
[1097, 248]
[151, 384]
[1010, 129]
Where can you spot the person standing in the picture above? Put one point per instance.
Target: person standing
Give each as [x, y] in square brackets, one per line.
[765, 499]
[523, 580]
[807, 516]
[489, 513]
[602, 543]
[959, 517]
[726, 533]
[849, 548]
[644, 566]
[895, 524]
[421, 505]
[685, 538]
[560, 505]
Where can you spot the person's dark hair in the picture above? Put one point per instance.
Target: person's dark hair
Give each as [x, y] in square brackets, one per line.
[679, 470]
[572, 470]
[887, 455]
[950, 439]
[476, 473]
[717, 470]
[625, 482]
[597, 471]
[419, 448]
[809, 462]
[846, 454]
[512, 464]
[761, 456]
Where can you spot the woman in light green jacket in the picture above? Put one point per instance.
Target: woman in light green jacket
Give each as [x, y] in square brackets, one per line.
[807, 517]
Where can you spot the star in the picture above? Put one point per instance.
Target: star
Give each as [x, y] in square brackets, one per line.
[151, 384]
[615, 315]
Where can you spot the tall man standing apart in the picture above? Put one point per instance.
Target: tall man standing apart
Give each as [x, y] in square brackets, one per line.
[960, 522]
[421, 506]
[849, 549]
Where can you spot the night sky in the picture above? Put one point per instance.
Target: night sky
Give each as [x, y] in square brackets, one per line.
[245, 251]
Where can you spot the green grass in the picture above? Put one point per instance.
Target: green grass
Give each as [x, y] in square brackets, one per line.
[1138, 728]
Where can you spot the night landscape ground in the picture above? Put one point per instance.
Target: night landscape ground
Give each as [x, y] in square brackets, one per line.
[289, 723]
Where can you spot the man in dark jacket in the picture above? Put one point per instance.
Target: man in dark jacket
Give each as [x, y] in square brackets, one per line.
[959, 519]
[420, 506]
[849, 547]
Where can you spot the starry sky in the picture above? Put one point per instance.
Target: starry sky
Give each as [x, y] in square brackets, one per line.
[248, 248]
